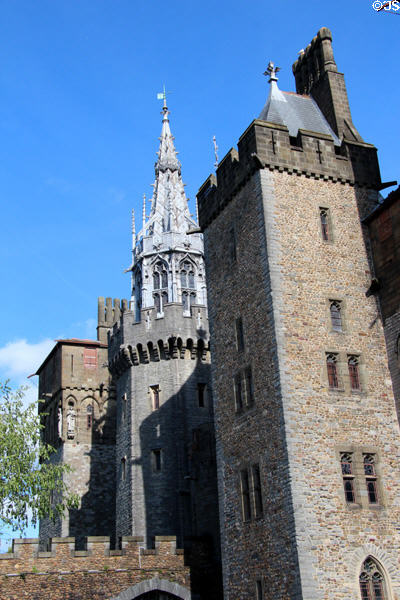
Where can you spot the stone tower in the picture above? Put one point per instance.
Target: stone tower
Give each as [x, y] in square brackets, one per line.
[160, 361]
[78, 413]
[307, 437]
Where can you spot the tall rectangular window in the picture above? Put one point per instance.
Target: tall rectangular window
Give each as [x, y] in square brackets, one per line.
[232, 244]
[257, 495]
[346, 461]
[239, 334]
[259, 590]
[201, 394]
[245, 492]
[155, 396]
[123, 468]
[156, 460]
[331, 366]
[354, 373]
[370, 478]
[124, 403]
[326, 232]
[249, 386]
[90, 358]
[89, 416]
[238, 392]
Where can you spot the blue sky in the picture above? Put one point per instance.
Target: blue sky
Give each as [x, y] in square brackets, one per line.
[79, 122]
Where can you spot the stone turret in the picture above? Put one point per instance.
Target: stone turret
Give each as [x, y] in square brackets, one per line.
[159, 358]
[316, 73]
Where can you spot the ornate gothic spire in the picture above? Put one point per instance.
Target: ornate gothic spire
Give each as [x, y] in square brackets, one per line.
[169, 206]
[167, 264]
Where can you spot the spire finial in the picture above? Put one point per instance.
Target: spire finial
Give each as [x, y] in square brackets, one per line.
[144, 210]
[215, 151]
[133, 230]
[271, 72]
[163, 96]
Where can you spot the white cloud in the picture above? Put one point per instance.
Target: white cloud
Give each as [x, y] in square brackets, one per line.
[20, 359]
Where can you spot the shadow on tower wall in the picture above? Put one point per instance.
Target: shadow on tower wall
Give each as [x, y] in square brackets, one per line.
[178, 466]
[96, 515]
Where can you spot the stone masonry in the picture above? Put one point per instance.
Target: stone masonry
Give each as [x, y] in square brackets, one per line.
[96, 573]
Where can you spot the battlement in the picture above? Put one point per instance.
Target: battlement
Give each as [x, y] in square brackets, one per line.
[314, 61]
[267, 145]
[166, 349]
[108, 313]
[113, 571]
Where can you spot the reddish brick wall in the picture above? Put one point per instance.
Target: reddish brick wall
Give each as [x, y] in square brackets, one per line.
[95, 574]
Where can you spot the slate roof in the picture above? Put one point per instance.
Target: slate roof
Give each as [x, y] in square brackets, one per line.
[296, 112]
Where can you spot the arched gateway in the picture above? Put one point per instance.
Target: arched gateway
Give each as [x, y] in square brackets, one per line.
[155, 589]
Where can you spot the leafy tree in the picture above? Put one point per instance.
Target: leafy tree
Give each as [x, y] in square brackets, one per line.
[29, 481]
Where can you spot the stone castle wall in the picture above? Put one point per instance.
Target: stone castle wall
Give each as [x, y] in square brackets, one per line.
[97, 573]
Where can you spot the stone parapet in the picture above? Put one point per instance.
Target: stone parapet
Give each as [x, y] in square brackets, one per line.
[64, 572]
[268, 145]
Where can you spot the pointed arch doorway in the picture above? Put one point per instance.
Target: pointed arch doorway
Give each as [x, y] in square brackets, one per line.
[157, 595]
[155, 589]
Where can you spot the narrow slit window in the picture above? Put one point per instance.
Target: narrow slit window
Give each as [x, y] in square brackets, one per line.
[245, 492]
[156, 460]
[201, 395]
[239, 334]
[155, 396]
[232, 242]
[325, 224]
[123, 468]
[238, 392]
[259, 590]
[258, 503]
[346, 461]
[124, 403]
[89, 416]
[249, 386]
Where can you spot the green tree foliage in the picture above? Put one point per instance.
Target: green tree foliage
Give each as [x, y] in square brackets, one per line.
[31, 485]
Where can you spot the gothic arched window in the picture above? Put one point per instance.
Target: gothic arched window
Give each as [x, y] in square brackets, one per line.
[336, 315]
[372, 581]
[187, 284]
[160, 276]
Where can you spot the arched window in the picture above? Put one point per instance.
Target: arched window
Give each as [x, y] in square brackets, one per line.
[336, 315]
[71, 417]
[331, 365]
[160, 276]
[187, 284]
[372, 581]
[183, 278]
[354, 373]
